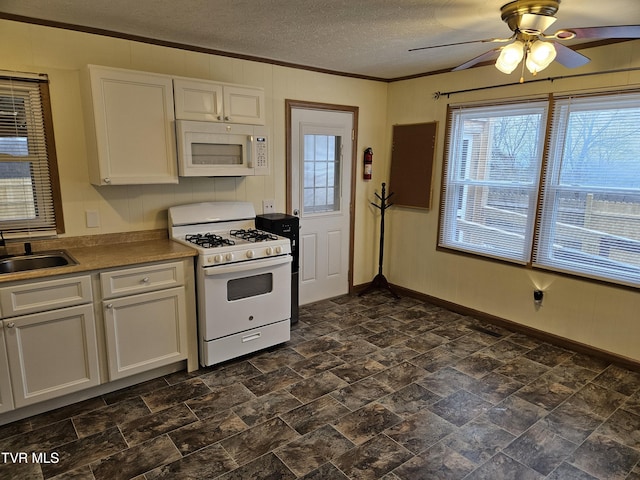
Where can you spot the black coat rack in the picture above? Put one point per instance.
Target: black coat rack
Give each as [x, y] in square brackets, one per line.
[379, 281]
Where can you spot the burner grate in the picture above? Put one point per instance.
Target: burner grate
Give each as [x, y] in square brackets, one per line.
[252, 235]
[208, 240]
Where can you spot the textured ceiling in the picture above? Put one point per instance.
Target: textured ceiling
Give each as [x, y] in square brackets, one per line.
[368, 38]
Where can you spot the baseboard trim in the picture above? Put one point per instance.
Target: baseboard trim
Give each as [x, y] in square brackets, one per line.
[557, 340]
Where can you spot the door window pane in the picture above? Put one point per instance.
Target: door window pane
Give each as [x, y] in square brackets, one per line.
[322, 155]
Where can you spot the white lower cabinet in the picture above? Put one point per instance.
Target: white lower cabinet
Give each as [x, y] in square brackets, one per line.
[54, 342]
[49, 334]
[145, 331]
[6, 397]
[149, 329]
[51, 353]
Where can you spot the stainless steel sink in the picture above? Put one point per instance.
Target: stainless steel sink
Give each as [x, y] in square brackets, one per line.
[35, 261]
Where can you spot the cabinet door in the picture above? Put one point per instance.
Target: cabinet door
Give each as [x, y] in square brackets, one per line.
[244, 105]
[198, 100]
[145, 331]
[6, 398]
[52, 353]
[134, 133]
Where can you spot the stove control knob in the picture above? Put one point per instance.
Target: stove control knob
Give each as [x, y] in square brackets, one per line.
[269, 251]
[228, 257]
[250, 254]
[217, 258]
[278, 250]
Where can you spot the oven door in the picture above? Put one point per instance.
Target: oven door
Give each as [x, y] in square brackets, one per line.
[243, 296]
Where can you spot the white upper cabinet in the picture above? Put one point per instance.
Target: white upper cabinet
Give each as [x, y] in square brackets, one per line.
[218, 102]
[198, 100]
[130, 120]
[130, 127]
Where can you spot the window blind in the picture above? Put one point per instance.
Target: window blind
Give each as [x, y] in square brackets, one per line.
[490, 189]
[590, 203]
[28, 173]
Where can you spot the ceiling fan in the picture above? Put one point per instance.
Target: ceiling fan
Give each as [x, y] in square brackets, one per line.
[528, 20]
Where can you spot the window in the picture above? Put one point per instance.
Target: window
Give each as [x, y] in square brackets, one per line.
[29, 191]
[578, 211]
[322, 154]
[591, 197]
[491, 189]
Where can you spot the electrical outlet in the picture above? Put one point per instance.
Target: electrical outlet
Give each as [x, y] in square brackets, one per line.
[268, 206]
[92, 218]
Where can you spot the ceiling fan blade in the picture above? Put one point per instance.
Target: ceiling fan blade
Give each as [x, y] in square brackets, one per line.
[486, 40]
[490, 55]
[617, 31]
[569, 58]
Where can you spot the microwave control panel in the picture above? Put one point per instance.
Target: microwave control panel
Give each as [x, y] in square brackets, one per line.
[261, 162]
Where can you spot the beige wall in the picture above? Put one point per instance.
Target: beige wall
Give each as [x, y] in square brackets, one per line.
[62, 54]
[601, 316]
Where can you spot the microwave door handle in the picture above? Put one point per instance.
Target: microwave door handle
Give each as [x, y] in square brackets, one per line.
[250, 154]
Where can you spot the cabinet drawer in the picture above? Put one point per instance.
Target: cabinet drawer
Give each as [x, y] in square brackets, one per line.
[46, 295]
[141, 279]
[233, 346]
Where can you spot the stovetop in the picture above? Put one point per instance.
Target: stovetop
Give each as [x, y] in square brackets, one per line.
[208, 240]
[223, 233]
[220, 248]
[253, 235]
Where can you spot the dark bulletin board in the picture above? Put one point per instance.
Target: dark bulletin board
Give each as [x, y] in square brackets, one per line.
[412, 164]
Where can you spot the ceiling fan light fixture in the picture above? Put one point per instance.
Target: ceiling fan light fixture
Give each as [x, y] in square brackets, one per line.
[510, 56]
[534, 24]
[540, 56]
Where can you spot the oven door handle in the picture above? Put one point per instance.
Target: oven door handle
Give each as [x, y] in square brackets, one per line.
[248, 265]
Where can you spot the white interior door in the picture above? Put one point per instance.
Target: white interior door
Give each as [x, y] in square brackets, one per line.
[320, 194]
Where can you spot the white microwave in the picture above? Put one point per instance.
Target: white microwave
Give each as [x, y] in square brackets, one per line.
[207, 149]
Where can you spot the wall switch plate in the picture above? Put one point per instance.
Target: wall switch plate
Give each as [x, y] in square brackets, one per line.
[92, 218]
[268, 206]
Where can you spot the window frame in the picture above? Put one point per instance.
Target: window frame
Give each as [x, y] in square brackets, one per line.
[445, 223]
[548, 191]
[581, 263]
[53, 224]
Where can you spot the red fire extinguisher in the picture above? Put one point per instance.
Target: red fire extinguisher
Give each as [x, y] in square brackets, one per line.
[368, 163]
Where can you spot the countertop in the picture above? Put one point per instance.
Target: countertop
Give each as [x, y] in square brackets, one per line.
[106, 251]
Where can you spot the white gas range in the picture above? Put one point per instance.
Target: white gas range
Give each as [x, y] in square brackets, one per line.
[243, 278]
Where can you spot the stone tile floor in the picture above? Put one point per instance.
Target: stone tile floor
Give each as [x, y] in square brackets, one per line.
[367, 388]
